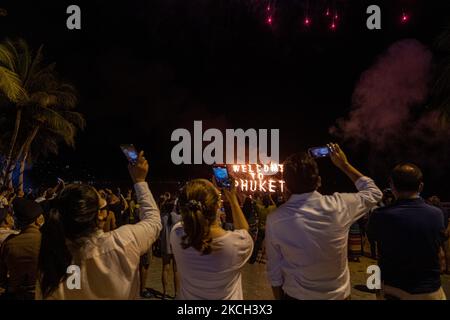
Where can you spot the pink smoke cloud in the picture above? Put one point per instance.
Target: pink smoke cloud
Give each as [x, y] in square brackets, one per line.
[387, 95]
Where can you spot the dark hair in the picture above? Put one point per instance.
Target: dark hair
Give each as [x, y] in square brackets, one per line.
[73, 215]
[198, 203]
[301, 173]
[406, 177]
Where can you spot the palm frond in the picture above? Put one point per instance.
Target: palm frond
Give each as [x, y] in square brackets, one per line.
[34, 65]
[42, 78]
[16, 56]
[75, 118]
[7, 56]
[46, 100]
[66, 95]
[24, 58]
[42, 99]
[53, 121]
[11, 85]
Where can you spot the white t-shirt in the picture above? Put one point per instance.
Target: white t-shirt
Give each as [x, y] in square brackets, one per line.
[216, 276]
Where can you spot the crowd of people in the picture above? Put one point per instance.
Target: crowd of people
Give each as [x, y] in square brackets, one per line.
[205, 235]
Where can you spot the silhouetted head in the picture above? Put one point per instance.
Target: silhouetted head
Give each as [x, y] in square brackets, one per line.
[27, 213]
[301, 173]
[77, 207]
[406, 181]
[74, 216]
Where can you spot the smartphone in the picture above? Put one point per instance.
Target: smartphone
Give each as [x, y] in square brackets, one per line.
[319, 152]
[222, 177]
[130, 152]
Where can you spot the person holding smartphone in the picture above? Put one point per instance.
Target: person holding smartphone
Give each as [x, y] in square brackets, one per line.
[209, 258]
[306, 237]
[108, 261]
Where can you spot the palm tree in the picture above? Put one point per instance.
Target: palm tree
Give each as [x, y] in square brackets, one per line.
[50, 126]
[39, 98]
[16, 64]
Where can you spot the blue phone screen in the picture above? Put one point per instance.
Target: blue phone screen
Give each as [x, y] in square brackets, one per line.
[130, 152]
[222, 178]
[320, 152]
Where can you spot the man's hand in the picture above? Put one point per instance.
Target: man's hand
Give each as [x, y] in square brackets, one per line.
[340, 160]
[139, 171]
[337, 155]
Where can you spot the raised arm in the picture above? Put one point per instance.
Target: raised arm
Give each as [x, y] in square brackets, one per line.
[368, 194]
[146, 231]
[340, 160]
[239, 220]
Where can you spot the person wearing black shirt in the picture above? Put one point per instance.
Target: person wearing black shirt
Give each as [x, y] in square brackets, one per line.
[410, 234]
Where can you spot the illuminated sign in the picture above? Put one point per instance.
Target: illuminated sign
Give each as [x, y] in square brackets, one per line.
[258, 177]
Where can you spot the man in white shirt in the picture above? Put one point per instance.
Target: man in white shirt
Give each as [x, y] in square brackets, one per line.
[306, 238]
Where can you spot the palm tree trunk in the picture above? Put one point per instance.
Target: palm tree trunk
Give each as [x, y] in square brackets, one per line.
[7, 168]
[10, 179]
[23, 150]
[22, 170]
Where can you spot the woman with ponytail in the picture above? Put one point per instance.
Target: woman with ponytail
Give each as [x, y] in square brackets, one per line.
[108, 261]
[209, 258]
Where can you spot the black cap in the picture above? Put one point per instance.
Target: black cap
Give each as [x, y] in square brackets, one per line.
[26, 211]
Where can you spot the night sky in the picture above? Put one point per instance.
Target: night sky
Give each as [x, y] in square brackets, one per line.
[146, 67]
